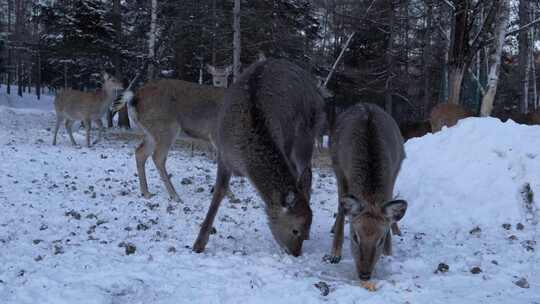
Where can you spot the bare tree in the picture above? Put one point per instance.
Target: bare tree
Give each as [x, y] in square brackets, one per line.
[237, 46]
[503, 15]
[524, 56]
[152, 36]
[123, 117]
[464, 48]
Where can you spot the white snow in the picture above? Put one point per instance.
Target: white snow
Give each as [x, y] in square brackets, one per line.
[461, 178]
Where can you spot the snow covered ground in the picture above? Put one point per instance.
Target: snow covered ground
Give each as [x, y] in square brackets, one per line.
[69, 216]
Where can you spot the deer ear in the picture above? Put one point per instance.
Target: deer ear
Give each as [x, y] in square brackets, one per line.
[105, 76]
[395, 210]
[210, 69]
[352, 205]
[304, 182]
[228, 69]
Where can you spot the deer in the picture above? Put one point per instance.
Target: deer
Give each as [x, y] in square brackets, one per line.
[367, 152]
[414, 129]
[161, 108]
[265, 131]
[72, 105]
[220, 76]
[447, 114]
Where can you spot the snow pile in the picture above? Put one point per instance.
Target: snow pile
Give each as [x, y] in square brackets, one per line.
[471, 174]
[74, 229]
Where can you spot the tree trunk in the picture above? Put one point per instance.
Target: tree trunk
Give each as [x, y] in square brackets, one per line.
[123, 117]
[214, 32]
[532, 61]
[426, 55]
[38, 74]
[152, 41]
[455, 79]
[390, 62]
[524, 64]
[237, 47]
[500, 31]
[458, 50]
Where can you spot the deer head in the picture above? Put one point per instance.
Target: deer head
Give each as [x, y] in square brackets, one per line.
[110, 83]
[291, 224]
[220, 76]
[369, 230]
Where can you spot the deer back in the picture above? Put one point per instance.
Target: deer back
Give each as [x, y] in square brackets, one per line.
[367, 147]
[194, 107]
[447, 114]
[273, 110]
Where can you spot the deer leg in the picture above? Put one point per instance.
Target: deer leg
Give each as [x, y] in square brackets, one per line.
[69, 124]
[220, 189]
[160, 158]
[337, 244]
[395, 229]
[101, 130]
[87, 126]
[59, 120]
[145, 149]
[387, 250]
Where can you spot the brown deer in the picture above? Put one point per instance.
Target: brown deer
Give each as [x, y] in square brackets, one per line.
[531, 118]
[73, 105]
[266, 130]
[367, 151]
[161, 108]
[414, 129]
[447, 114]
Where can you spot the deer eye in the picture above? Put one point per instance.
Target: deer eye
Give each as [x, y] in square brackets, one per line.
[355, 238]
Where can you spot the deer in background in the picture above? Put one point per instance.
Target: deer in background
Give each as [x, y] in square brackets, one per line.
[265, 131]
[367, 151]
[413, 129]
[72, 105]
[162, 108]
[447, 114]
[220, 76]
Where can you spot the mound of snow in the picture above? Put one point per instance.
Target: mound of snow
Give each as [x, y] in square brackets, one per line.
[470, 174]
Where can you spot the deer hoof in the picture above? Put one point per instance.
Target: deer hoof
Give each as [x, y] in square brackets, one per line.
[177, 199]
[200, 245]
[148, 195]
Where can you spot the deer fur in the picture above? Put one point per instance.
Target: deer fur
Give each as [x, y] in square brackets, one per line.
[161, 108]
[73, 105]
[266, 130]
[367, 151]
[447, 114]
[414, 129]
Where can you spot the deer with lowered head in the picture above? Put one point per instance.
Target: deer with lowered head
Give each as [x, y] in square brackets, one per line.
[265, 131]
[367, 151]
[162, 108]
[73, 105]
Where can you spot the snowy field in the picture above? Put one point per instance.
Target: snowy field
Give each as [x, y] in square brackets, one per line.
[74, 229]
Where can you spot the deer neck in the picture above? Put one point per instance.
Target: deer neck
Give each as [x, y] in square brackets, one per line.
[106, 97]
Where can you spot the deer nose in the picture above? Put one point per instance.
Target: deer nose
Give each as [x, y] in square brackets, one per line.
[364, 276]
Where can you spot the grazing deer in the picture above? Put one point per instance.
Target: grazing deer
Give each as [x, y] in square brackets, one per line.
[72, 105]
[414, 129]
[161, 108]
[266, 130]
[367, 151]
[447, 114]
